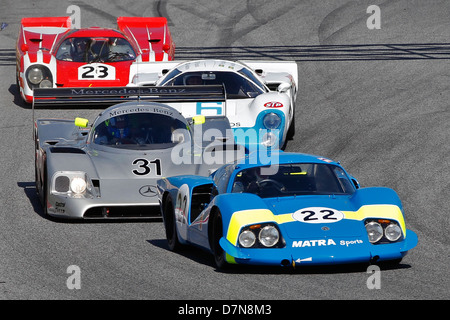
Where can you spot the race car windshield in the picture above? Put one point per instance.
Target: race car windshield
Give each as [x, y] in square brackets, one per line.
[293, 180]
[85, 49]
[236, 85]
[138, 131]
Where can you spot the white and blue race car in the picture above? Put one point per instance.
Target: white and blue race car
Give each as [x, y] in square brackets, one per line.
[260, 95]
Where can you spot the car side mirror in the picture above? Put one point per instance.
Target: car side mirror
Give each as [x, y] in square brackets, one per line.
[81, 122]
[283, 87]
[356, 183]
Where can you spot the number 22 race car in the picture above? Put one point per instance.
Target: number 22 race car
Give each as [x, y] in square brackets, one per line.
[300, 210]
[50, 54]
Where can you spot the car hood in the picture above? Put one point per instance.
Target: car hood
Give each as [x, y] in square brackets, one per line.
[308, 217]
[124, 164]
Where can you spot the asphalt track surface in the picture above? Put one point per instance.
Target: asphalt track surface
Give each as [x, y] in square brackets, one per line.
[377, 100]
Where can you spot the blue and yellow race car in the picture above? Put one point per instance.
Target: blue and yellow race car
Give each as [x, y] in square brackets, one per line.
[291, 209]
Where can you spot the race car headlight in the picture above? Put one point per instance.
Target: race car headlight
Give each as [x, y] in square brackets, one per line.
[39, 76]
[269, 139]
[382, 231]
[393, 232]
[74, 184]
[78, 185]
[271, 120]
[374, 231]
[247, 239]
[269, 236]
[45, 84]
[264, 235]
[35, 75]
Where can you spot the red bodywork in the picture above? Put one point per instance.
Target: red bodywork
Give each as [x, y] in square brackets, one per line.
[40, 39]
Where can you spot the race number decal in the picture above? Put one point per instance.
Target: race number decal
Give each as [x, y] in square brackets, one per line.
[209, 108]
[182, 204]
[144, 167]
[318, 215]
[96, 71]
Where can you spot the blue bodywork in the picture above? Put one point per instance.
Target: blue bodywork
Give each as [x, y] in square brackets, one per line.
[320, 240]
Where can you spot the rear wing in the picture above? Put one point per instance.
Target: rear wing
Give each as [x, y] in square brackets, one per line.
[60, 22]
[113, 95]
[41, 32]
[274, 72]
[151, 35]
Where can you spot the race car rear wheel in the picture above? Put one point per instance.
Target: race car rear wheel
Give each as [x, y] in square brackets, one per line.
[45, 191]
[216, 235]
[170, 225]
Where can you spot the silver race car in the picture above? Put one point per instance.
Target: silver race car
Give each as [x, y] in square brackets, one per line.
[110, 169]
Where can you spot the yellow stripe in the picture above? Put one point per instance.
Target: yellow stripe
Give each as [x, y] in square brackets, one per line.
[249, 217]
[246, 217]
[383, 211]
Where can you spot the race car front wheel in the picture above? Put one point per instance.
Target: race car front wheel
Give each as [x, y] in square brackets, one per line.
[170, 225]
[216, 235]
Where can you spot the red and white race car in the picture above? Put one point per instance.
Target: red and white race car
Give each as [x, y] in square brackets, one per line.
[51, 54]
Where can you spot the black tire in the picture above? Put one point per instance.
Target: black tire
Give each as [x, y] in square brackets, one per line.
[291, 131]
[170, 225]
[45, 192]
[216, 235]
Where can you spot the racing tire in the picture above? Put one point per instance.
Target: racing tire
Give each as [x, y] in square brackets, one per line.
[216, 234]
[170, 225]
[291, 131]
[45, 192]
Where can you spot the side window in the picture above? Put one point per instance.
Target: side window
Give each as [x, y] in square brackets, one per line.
[222, 177]
[343, 180]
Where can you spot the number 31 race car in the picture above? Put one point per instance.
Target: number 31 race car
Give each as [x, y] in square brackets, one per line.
[51, 54]
[301, 210]
[110, 169]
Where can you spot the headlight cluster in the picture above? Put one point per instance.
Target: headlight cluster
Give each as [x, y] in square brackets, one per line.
[383, 231]
[261, 236]
[75, 184]
[272, 126]
[272, 121]
[39, 76]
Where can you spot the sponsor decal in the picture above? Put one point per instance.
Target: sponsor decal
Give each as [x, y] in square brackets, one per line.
[148, 191]
[313, 243]
[124, 91]
[273, 104]
[324, 243]
[351, 242]
[119, 112]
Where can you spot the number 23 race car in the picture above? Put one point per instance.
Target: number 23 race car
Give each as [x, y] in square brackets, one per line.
[300, 210]
[50, 54]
